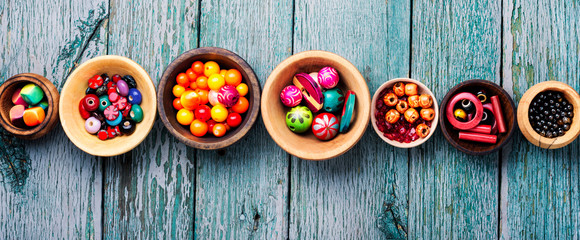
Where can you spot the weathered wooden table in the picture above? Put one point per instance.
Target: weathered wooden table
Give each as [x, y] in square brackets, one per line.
[162, 189]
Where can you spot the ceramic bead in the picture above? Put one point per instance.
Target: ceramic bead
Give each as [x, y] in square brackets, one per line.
[121, 103]
[127, 127]
[127, 110]
[95, 82]
[131, 83]
[122, 88]
[92, 125]
[114, 97]
[17, 99]
[32, 94]
[90, 102]
[134, 96]
[102, 90]
[291, 96]
[116, 78]
[328, 77]
[325, 126]
[104, 103]
[111, 113]
[299, 119]
[228, 95]
[33, 116]
[136, 113]
[84, 113]
[333, 99]
[115, 121]
[103, 135]
[17, 116]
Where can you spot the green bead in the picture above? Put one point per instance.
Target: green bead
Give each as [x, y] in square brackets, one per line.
[299, 119]
[333, 100]
[104, 102]
[32, 94]
[43, 105]
[136, 113]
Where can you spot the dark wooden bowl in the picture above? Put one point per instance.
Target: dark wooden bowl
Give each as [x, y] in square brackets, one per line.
[52, 96]
[227, 60]
[509, 111]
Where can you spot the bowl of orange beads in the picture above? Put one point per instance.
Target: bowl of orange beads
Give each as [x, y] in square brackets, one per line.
[208, 98]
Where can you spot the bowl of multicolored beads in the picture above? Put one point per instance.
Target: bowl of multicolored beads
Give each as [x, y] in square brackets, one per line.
[108, 105]
[404, 112]
[315, 105]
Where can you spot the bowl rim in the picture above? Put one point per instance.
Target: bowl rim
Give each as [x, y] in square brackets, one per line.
[252, 80]
[130, 145]
[448, 95]
[525, 126]
[434, 123]
[365, 96]
[52, 115]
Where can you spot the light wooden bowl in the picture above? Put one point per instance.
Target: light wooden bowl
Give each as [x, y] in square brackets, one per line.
[74, 90]
[307, 146]
[51, 94]
[422, 90]
[523, 121]
[508, 107]
[227, 60]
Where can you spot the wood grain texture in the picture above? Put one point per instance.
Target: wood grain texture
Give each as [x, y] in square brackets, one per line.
[61, 195]
[149, 192]
[453, 195]
[242, 191]
[540, 187]
[362, 194]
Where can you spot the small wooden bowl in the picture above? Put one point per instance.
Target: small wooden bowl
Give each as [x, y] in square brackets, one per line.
[51, 94]
[422, 89]
[74, 90]
[227, 60]
[509, 111]
[549, 143]
[307, 146]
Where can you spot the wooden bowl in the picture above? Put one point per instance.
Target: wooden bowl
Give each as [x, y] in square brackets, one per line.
[422, 89]
[51, 94]
[74, 90]
[549, 143]
[306, 145]
[227, 60]
[509, 110]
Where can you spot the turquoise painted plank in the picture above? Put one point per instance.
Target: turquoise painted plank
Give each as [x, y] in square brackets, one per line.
[454, 195]
[242, 191]
[149, 192]
[364, 193]
[50, 189]
[540, 187]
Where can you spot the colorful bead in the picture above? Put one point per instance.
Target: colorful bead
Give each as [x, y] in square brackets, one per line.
[17, 116]
[114, 97]
[228, 95]
[115, 121]
[219, 113]
[32, 94]
[310, 91]
[121, 103]
[33, 116]
[131, 83]
[134, 96]
[203, 113]
[84, 113]
[104, 103]
[95, 82]
[17, 99]
[116, 78]
[190, 100]
[90, 102]
[291, 96]
[347, 111]
[136, 113]
[325, 126]
[184, 117]
[111, 113]
[234, 119]
[299, 119]
[127, 110]
[43, 105]
[92, 125]
[333, 100]
[328, 77]
[102, 90]
[213, 98]
[103, 135]
[127, 127]
[122, 88]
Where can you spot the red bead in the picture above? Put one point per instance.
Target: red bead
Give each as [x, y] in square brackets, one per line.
[234, 120]
[90, 102]
[114, 97]
[95, 82]
[84, 113]
[111, 84]
[111, 113]
[121, 103]
[111, 90]
[203, 113]
[127, 110]
[103, 135]
[111, 132]
[116, 78]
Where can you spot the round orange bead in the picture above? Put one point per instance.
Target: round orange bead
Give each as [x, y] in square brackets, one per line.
[198, 128]
[241, 106]
[219, 130]
[233, 77]
[178, 90]
[211, 68]
[182, 79]
[242, 89]
[190, 100]
[184, 117]
[177, 104]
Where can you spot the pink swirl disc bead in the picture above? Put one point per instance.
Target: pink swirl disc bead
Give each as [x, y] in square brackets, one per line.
[291, 96]
[228, 95]
[328, 77]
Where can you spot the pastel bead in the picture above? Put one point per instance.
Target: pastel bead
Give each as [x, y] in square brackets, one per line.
[325, 126]
[333, 99]
[328, 77]
[104, 103]
[33, 116]
[32, 94]
[43, 105]
[299, 119]
[115, 121]
[122, 88]
[92, 125]
[213, 98]
[134, 96]
[114, 97]
[136, 113]
[291, 96]
[228, 95]
[17, 116]
[17, 99]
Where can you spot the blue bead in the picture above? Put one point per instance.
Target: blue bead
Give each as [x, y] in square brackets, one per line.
[134, 96]
[117, 121]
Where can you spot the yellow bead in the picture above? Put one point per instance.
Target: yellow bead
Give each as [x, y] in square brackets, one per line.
[219, 113]
[184, 117]
[215, 82]
[242, 89]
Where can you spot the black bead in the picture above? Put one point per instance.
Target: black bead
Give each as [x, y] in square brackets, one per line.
[90, 91]
[130, 81]
[102, 90]
[127, 127]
